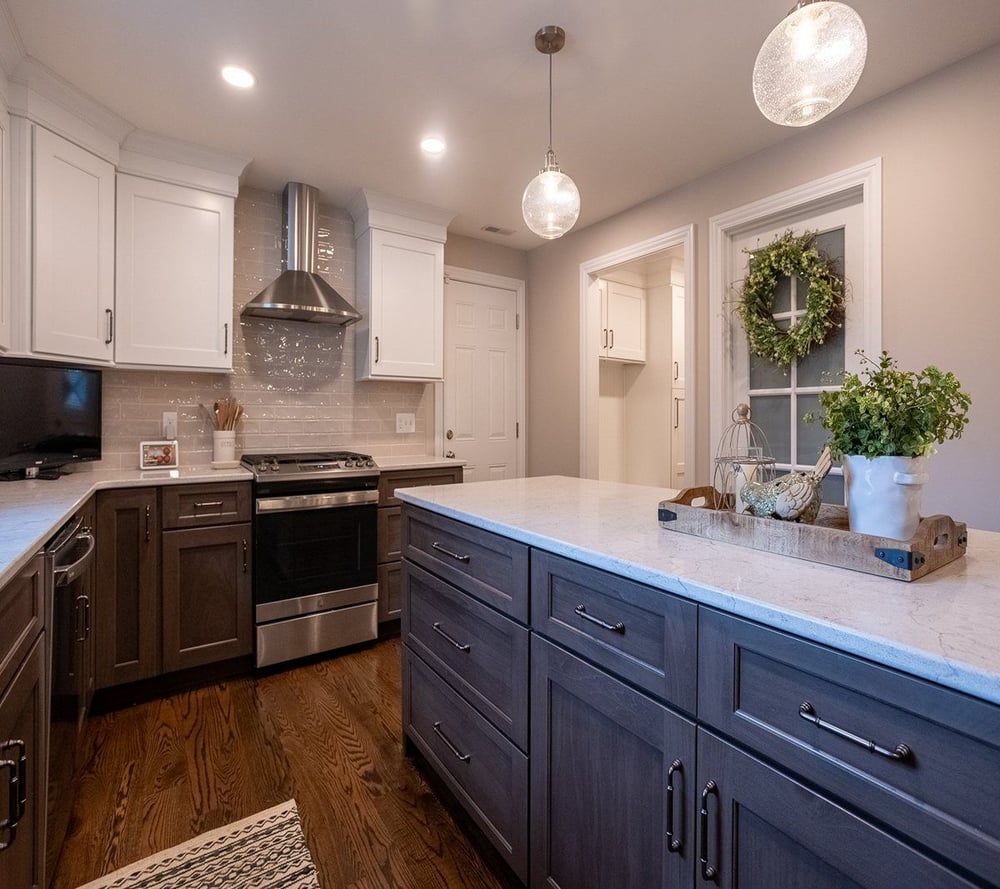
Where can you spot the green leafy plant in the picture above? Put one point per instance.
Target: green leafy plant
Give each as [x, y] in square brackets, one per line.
[886, 412]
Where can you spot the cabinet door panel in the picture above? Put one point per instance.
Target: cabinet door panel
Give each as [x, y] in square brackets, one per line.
[74, 250]
[626, 323]
[207, 612]
[390, 591]
[174, 278]
[764, 829]
[389, 531]
[22, 616]
[128, 594]
[23, 718]
[600, 767]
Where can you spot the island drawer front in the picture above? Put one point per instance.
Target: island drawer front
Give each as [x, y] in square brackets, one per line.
[482, 654]
[941, 790]
[644, 635]
[217, 503]
[390, 479]
[22, 617]
[485, 565]
[487, 773]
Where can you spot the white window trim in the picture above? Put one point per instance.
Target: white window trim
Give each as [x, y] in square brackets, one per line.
[724, 227]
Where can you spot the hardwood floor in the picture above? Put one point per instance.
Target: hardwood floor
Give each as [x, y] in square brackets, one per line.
[327, 734]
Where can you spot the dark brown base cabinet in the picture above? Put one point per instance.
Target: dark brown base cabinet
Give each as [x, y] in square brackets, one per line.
[672, 745]
[23, 727]
[174, 579]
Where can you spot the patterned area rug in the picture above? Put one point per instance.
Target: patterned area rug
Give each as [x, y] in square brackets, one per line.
[264, 851]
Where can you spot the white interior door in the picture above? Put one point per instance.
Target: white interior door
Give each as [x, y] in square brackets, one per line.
[481, 378]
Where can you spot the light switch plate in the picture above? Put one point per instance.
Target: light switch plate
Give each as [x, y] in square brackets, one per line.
[406, 423]
[170, 425]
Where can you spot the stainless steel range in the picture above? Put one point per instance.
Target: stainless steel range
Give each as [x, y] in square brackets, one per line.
[315, 552]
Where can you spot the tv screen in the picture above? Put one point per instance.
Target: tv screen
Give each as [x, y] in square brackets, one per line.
[50, 414]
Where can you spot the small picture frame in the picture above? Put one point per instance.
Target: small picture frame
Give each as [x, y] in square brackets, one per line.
[158, 455]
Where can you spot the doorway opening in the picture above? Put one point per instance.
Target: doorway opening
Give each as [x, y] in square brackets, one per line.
[637, 362]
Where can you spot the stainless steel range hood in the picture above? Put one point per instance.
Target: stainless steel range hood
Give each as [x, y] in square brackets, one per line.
[299, 294]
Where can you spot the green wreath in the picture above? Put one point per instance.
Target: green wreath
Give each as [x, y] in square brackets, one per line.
[792, 256]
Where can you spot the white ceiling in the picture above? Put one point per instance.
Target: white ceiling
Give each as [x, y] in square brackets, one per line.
[649, 94]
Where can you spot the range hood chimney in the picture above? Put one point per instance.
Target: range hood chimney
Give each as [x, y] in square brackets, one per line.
[299, 294]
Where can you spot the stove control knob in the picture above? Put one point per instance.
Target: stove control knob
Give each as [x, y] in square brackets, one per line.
[262, 466]
[274, 466]
[349, 464]
[369, 462]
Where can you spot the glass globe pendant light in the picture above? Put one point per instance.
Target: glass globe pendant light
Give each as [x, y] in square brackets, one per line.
[551, 202]
[810, 62]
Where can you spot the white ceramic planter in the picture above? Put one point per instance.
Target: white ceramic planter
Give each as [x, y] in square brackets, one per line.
[883, 495]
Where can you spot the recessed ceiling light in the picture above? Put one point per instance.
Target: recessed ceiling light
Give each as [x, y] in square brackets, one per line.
[237, 76]
[433, 145]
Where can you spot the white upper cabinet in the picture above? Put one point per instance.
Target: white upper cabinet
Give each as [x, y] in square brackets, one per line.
[73, 253]
[174, 293]
[623, 322]
[399, 289]
[6, 331]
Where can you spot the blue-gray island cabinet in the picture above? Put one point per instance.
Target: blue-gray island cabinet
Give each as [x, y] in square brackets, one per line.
[672, 741]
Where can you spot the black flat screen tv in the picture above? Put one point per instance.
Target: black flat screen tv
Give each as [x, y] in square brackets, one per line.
[50, 415]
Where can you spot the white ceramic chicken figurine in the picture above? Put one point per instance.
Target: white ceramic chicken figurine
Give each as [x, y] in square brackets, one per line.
[794, 497]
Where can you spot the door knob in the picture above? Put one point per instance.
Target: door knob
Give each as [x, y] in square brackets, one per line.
[449, 435]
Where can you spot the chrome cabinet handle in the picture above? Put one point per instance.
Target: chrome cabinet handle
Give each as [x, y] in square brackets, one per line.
[376, 350]
[677, 371]
[111, 326]
[464, 757]
[81, 620]
[147, 522]
[244, 555]
[17, 788]
[617, 627]
[225, 340]
[605, 345]
[673, 841]
[900, 752]
[677, 413]
[86, 617]
[708, 871]
[448, 552]
[206, 504]
[611, 331]
[436, 627]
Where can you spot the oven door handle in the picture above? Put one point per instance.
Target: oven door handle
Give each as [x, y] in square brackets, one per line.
[66, 574]
[299, 502]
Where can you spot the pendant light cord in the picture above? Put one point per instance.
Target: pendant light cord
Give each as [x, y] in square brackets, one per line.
[550, 101]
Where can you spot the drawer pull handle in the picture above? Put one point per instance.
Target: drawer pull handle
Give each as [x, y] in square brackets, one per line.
[708, 871]
[147, 522]
[436, 627]
[617, 627]
[673, 842]
[10, 822]
[205, 504]
[17, 788]
[464, 757]
[448, 552]
[900, 752]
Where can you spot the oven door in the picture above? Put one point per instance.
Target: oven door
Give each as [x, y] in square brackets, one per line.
[314, 552]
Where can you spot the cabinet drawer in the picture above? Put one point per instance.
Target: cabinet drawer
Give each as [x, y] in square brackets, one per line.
[482, 654]
[487, 566]
[758, 685]
[188, 506]
[487, 773]
[22, 616]
[644, 635]
[389, 534]
[389, 480]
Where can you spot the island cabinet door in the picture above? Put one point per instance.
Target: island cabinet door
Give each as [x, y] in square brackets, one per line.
[758, 828]
[612, 781]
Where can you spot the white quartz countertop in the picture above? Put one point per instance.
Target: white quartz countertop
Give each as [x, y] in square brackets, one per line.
[944, 627]
[32, 511]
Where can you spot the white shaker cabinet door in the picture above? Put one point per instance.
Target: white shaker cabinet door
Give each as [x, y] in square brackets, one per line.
[406, 336]
[73, 260]
[174, 275]
[626, 322]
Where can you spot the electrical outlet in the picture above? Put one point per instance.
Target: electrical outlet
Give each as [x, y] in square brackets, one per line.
[406, 423]
[170, 425]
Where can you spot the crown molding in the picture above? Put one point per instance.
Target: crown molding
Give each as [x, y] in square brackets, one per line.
[171, 160]
[371, 209]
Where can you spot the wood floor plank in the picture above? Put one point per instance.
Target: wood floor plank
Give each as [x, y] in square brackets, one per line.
[327, 734]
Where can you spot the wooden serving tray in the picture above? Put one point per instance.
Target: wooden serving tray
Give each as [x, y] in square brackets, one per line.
[938, 540]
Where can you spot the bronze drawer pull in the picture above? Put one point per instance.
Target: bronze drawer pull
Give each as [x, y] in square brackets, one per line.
[673, 843]
[900, 753]
[10, 822]
[617, 627]
[464, 757]
[436, 627]
[205, 504]
[708, 871]
[448, 552]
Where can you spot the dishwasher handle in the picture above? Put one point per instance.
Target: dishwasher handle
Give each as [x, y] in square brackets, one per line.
[66, 574]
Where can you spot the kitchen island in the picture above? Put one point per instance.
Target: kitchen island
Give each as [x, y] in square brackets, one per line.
[694, 709]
